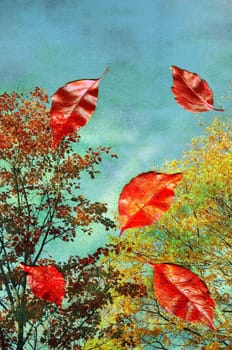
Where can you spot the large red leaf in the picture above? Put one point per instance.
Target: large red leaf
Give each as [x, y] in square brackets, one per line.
[72, 107]
[143, 201]
[182, 293]
[192, 92]
[45, 282]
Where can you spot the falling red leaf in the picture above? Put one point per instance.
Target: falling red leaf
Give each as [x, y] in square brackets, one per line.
[192, 92]
[182, 293]
[143, 201]
[45, 282]
[73, 106]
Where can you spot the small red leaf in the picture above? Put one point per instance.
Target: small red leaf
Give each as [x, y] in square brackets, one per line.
[192, 92]
[73, 106]
[45, 282]
[182, 293]
[143, 201]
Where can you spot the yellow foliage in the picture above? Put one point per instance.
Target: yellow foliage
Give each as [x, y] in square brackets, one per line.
[195, 233]
[213, 346]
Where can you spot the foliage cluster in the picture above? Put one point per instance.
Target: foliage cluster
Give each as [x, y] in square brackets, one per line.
[40, 202]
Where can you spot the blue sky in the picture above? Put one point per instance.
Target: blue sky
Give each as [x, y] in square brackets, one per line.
[47, 43]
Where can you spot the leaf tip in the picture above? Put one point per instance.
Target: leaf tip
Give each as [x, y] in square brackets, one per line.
[121, 231]
[219, 109]
[105, 72]
[60, 308]
[211, 326]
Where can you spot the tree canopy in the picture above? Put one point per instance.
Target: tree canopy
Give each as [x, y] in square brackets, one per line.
[41, 202]
[194, 233]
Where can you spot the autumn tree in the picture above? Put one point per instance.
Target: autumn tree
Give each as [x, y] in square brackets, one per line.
[41, 202]
[194, 233]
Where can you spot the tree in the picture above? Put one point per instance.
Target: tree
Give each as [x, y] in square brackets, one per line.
[41, 202]
[194, 233]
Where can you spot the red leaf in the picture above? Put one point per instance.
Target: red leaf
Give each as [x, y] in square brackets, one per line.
[46, 283]
[73, 106]
[182, 293]
[143, 201]
[192, 92]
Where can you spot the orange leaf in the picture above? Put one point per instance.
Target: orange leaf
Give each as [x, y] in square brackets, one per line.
[45, 282]
[182, 293]
[73, 106]
[143, 201]
[192, 92]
